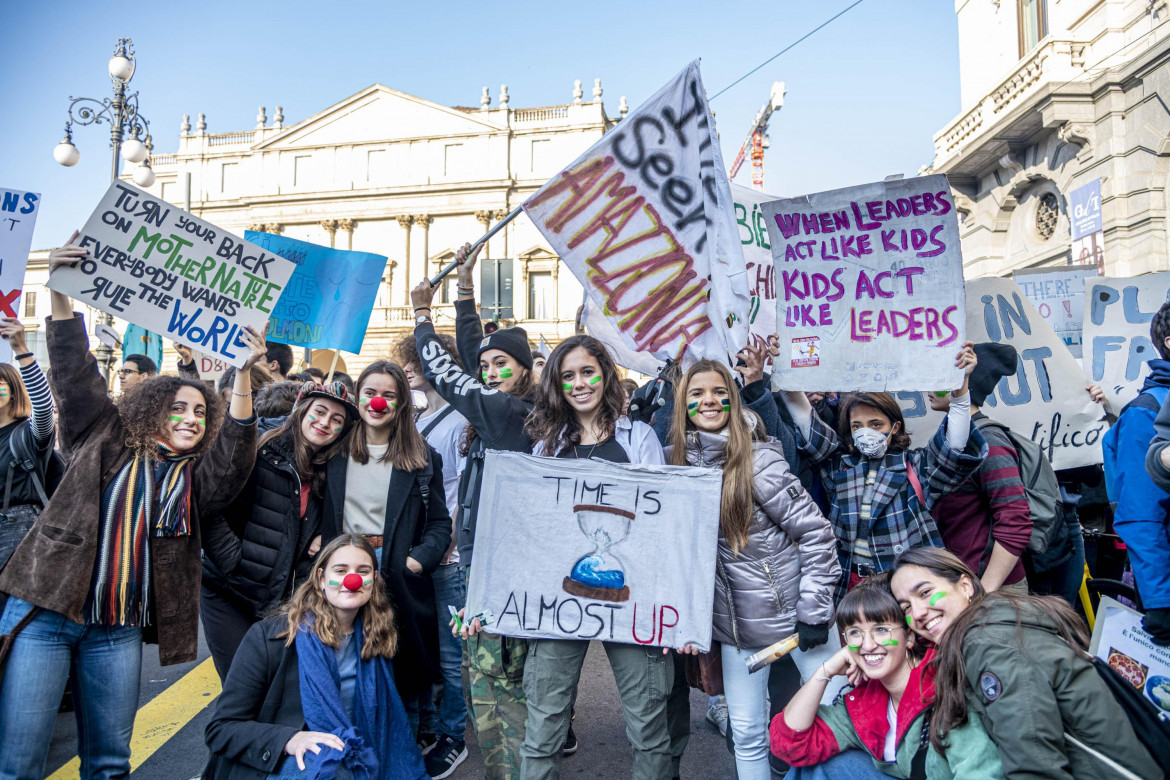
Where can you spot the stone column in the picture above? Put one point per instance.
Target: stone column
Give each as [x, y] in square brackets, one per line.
[424, 222]
[330, 226]
[404, 223]
[347, 225]
[485, 222]
[390, 282]
[521, 291]
[275, 228]
[497, 215]
[556, 273]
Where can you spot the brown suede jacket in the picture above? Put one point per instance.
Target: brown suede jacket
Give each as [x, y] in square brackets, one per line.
[53, 567]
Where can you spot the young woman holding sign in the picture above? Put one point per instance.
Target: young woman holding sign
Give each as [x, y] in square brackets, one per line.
[389, 487]
[775, 566]
[882, 722]
[578, 414]
[1019, 664]
[113, 559]
[880, 491]
[496, 401]
[312, 691]
[261, 546]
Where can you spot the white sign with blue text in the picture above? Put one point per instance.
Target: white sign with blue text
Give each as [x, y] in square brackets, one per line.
[155, 265]
[18, 215]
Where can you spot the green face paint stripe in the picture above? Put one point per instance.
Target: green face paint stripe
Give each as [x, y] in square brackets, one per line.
[889, 643]
[311, 417]
[174, 418]
[937, 596]
[726, 403]
[392, 404]
[942, 393]
[484, 375]
[202, 422]
[567, 385]
[693, 408]
[909, 620]
[505, 373]
[854, 648]
[595, 380]
[363, 400]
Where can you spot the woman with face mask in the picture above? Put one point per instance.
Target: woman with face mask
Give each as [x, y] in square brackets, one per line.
[312, 690]
[880, 491]
[114, 557]
[1018, 664]
[261, 546]
[496, 400]
[775, 564]
[578, 414]
[876, 730]
[389, 487]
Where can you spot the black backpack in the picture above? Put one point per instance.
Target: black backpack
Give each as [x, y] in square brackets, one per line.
[45, 469]
[1148, 724]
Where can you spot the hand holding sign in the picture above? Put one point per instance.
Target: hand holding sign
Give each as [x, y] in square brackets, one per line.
[466, 259]
[67, 254]
[422, 295]
[12, 330]
[257, 349]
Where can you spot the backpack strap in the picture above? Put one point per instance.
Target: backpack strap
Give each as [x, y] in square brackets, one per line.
[22, 447]
[1151, 399]
[913, 476]
[423, 478]
[918, 764]
[436, 419]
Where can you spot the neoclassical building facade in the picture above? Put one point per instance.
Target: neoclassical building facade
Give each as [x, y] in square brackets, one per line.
[1056, 94]
[387, 172]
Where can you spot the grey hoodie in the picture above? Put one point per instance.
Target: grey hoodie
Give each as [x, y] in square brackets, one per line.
[787, 570]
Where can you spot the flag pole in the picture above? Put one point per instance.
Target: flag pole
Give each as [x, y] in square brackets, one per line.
[483, 240]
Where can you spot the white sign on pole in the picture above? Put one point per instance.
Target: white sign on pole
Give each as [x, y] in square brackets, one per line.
[586, 549]
[157, 266]
[1059, 297]
[644, 219]
[1045, 400]
[1120, 641]
[869, 287]
[18, 215]
[1117, 332]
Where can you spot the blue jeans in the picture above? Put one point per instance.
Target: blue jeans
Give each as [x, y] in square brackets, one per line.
[848, 765]
[450, 589]
[106, 670]
[747, 713]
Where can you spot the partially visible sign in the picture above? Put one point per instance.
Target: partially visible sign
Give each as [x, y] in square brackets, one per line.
[1086, 209]
[209, 367]
[869, 287]
[18, 215]
[1117, 332]
[1059, 297]
[159, 267]
[586, 549]
[1120, 641]
[761, 273]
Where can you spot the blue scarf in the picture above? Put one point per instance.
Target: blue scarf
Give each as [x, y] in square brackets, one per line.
[379, 743]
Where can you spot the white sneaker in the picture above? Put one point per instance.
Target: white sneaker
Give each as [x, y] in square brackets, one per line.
[717, 716]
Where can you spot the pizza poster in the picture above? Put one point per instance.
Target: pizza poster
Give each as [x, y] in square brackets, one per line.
[1118, 640]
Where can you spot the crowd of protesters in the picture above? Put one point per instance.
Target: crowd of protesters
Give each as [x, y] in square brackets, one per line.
[320, 527]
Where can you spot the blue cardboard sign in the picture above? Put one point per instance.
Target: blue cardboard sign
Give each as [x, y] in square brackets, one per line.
[327, 302]
[1086, 209]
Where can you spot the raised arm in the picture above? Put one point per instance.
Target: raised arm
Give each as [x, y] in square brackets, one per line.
[468, 326]
[34, 380]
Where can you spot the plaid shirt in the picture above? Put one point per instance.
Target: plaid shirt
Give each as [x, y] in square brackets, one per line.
[898, 521]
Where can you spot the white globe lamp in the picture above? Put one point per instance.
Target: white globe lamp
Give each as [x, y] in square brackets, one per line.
[143, 176]
[133, 150]
[121, 68]
[66, 153]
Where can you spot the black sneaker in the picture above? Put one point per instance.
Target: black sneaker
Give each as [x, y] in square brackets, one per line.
[426, 742]
[447, 754]
[570, 743]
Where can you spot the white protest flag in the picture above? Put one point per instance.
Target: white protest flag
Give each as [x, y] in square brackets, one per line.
[157, 266]
[18, 214]
[644, 219]
[757, 254]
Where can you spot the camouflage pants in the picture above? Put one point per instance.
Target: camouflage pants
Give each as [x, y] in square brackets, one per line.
[493, 683]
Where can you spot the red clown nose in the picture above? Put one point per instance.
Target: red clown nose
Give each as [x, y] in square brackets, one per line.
[352, 582]
[378, 404]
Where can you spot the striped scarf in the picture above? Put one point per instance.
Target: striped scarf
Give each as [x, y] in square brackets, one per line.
[133, 507]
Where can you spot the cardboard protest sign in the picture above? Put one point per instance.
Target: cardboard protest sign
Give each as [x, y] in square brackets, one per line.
[757, 254]
[644, 220]
[172, 273]
[18, 215]
[328, 301]
[1118, 640]
[869, 287]
[585, 549]
[1117, 332]
[209, 367]
[1046, 400]
[1059, 297]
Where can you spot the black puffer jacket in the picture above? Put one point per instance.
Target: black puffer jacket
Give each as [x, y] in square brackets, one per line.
[256, 551]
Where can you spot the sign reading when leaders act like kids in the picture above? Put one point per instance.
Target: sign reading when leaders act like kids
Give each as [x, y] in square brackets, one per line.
[157, 266]
[585, 549]
[869, 287]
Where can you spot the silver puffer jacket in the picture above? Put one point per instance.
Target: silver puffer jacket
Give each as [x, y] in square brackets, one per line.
[788, 568]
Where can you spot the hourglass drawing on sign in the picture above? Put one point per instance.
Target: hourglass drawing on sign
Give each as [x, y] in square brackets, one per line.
[600, 574]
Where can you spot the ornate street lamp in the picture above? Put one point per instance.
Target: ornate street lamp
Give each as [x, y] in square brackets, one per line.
[129, 138]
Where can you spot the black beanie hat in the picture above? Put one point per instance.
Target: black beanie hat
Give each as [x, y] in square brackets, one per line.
[995, 362]
[514, 341]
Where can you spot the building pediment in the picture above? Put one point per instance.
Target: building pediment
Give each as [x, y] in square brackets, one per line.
[378, 114]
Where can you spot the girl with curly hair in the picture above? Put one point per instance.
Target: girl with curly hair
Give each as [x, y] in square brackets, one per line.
[311, 691]
[260, 546]
[114, 557]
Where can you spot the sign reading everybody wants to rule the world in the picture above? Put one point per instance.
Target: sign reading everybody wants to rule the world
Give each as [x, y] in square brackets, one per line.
[157, 266]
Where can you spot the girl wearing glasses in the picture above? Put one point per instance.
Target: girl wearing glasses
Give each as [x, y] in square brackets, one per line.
[881, 728]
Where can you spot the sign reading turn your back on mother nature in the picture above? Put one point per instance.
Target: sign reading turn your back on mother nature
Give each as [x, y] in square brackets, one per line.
[869, 287]
[585, 549]
[157, 266]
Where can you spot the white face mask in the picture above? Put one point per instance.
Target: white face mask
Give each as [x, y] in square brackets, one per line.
[870, 443]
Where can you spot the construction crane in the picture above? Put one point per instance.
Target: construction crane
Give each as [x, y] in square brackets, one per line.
[757, 137]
